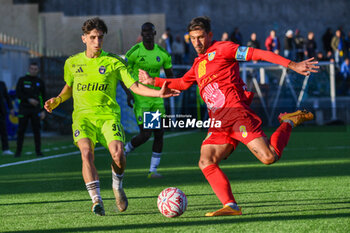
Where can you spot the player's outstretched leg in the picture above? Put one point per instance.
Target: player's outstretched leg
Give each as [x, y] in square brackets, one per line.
[279, 139]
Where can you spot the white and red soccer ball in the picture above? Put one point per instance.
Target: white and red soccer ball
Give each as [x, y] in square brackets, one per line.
[172, 202]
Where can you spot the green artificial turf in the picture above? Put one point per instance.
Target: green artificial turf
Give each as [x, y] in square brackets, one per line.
[308, 190]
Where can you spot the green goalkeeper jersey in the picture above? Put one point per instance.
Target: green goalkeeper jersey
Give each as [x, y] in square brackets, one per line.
[94, 82]
[138, 57]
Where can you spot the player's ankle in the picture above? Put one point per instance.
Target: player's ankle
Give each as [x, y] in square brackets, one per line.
[233, 205]
[289, 122]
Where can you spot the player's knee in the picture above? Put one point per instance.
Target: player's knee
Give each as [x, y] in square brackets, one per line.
[118, 155]
[204, 162]
[268, 158]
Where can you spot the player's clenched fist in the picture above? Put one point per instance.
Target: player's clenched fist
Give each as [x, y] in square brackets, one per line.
[52, 103]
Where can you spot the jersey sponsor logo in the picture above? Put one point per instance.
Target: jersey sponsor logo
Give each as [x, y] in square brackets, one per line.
[102, 69]
[79, 65]
[79, 70]
[151, 120]
[92, 87]
[158, 59]
[213, 97]
[202, 70]
[243, 130]
[242, 52]
[76, 133]
[211, 56]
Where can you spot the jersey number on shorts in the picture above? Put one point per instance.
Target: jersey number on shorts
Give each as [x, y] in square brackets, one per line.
[114, 128]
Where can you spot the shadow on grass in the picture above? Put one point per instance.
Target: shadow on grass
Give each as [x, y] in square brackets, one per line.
[195, 223]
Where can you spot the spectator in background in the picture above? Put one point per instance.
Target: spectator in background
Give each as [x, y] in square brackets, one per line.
[320, 57]
[4, 98]
[288, 45]
[224, 36]
[338, 47]
[345, 73]
[272, 43]
[326, 40]
[236, 36]
[178, 50]
[30, 90]
[310, 45]
[167, 37]
[254, 43]
[345, 68]
[299, 42]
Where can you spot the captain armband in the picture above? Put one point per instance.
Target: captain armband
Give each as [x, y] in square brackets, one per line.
[241, 54]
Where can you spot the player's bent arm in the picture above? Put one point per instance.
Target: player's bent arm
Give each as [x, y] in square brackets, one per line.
[54, 102]
[165, 92]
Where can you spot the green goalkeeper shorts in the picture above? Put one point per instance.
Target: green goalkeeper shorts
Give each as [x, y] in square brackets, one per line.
[145, 106]
[98, 128]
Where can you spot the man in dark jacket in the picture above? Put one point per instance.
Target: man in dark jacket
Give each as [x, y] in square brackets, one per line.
[4, 97]
[30, 91]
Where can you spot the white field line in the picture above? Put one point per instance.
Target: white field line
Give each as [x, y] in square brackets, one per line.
[75, 152]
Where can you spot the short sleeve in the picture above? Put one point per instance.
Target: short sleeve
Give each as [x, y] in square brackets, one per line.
[167, 61]
[125, 77]
[68, 77]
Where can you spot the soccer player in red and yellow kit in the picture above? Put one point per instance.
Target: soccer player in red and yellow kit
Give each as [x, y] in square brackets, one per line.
[216, 71]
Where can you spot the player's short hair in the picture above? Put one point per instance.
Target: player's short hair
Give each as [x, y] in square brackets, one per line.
[199, 23]
[33, 64]
[147, 24]
[94, 23]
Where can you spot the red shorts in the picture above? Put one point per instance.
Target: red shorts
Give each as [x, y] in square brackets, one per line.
[246, 126]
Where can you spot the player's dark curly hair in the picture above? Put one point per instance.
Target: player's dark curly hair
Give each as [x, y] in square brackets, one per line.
[94, 23]
[199, 23]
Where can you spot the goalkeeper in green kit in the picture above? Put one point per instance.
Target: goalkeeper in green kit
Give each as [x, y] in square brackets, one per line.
[149, 57]
[91, 79]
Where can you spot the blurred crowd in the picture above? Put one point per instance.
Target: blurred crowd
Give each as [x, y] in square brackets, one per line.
[294, 45]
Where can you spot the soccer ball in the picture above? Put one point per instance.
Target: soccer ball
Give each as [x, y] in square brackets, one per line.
[172, 202]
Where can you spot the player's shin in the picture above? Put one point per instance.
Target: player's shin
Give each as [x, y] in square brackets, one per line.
[279, 139]
[94, 190]
[155, 161]
[117, 180]
[219, 183]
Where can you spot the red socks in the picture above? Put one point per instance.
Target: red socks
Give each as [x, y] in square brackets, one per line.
[279, 139]
[219, 183]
